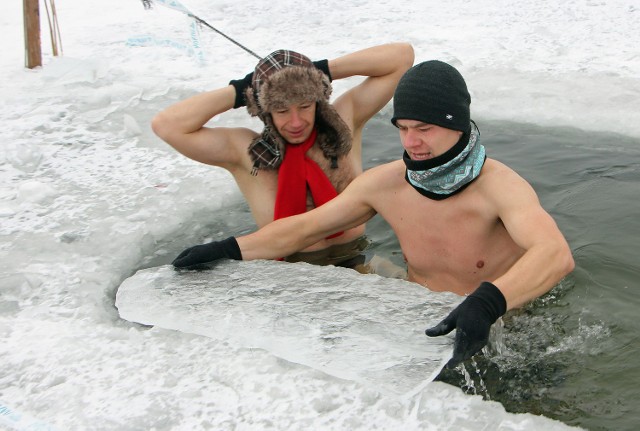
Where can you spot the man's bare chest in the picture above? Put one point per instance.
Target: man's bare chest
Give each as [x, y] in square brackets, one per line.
[261, 190]
[460, 227]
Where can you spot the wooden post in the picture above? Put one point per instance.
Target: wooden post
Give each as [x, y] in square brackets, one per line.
[33, 53]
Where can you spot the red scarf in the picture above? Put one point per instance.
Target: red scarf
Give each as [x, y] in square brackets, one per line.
[295, 173]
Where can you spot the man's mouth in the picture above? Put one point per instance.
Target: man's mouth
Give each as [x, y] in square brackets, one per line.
[296, 134]
[420, 156]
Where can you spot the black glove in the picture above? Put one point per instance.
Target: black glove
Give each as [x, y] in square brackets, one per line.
[241, 85]
[205, 253]
[323, 65]
[473, 319]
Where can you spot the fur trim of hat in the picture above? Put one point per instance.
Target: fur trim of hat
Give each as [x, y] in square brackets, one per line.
[277, 84]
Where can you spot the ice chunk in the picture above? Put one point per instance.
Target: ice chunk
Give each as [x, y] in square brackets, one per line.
[131, 126]
[36, 192]
[365, 328]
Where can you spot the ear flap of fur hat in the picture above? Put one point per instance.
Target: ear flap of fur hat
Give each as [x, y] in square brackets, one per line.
[334, 136]
[267, 150]
[334, 139]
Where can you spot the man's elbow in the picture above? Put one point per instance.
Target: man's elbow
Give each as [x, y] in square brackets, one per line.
[167, 130]
[160, 126]
[406, 55]
[565, 263]
[570, 263]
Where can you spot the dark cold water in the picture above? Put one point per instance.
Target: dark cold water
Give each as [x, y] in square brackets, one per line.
[571, 355]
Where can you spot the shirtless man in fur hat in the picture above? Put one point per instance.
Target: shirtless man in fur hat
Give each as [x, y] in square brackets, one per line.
[466, 223]
[309, 150]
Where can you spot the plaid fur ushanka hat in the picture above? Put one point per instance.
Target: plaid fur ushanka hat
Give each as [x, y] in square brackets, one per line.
[279, 80]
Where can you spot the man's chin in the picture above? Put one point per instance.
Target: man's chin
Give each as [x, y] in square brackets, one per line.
[296, 139]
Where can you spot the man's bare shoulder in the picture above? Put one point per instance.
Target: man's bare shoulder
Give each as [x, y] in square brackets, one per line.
[502, 182]
[387, 175]
[389, 168]
[495, 171]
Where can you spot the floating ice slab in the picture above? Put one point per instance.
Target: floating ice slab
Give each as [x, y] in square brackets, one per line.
[364, 328]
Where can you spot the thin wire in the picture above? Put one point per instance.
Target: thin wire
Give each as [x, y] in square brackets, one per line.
[148, 3]
[201, 21]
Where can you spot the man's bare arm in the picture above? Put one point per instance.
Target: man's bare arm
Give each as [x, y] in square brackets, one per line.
[182, 126]
[286, 236]
[547, 258]
[384, 65]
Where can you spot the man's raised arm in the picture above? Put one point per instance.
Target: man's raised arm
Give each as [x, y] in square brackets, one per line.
[384, 65]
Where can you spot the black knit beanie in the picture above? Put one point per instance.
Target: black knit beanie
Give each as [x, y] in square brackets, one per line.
[435, 93]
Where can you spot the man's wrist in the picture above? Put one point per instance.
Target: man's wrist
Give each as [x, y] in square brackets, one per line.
[231, 248]
[323, 66]
[241, 86]
[493, 298]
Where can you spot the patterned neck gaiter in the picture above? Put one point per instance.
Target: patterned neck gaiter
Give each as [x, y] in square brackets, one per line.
[449, 173]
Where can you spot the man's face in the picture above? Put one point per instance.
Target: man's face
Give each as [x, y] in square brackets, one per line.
[295, 122]
[424, 141]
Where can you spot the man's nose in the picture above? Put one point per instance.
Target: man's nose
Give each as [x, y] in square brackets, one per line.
[411, 138]
[295, 117]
